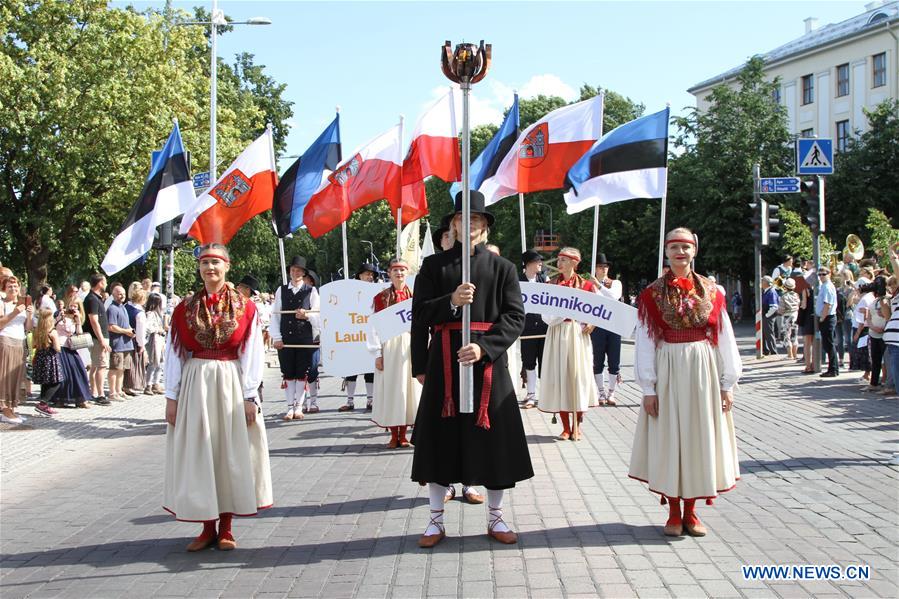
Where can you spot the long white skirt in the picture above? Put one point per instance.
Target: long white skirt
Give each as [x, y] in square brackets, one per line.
[566, 378]
[215, 463]
[396, 392]
[690, 449]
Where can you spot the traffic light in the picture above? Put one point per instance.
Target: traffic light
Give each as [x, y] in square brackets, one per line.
[756, 220]
[772, 223]
[813, 201]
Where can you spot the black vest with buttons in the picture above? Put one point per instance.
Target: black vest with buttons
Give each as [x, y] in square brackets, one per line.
[293, 330]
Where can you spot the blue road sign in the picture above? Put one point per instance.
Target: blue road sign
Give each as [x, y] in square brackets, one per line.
[779, 185]
[201, 180]
[814, 156]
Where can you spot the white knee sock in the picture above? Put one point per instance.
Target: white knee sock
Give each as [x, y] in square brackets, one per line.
[350, 391]
[290, 392]
[613, 382]
[600, 384]
[369, 392]
[300, 394]
[531, 376]
[435, 500]
[495, 510]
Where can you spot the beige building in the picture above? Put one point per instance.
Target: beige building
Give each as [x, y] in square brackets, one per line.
[831, 73]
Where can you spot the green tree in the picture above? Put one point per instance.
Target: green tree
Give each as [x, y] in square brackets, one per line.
[866, 175]
[882, 235]
[710, 178]
[88, 93]
[797, 237]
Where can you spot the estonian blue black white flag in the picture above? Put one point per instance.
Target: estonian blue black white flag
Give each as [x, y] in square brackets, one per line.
[167, 194]
[627, 163]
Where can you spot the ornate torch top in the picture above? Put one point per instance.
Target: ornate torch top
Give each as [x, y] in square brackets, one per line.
[467, 64]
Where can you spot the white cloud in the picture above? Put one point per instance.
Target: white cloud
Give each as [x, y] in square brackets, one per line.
[490, 99]
[547, 85]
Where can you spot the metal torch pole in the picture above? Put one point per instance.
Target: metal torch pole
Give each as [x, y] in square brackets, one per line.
[213, 90]
[466, 372]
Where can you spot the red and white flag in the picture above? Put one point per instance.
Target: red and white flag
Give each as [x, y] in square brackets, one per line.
[372, 173]
[434, 152]
[545, 151]
[243, 191]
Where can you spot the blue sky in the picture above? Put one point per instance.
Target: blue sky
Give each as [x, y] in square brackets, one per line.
[378, 60]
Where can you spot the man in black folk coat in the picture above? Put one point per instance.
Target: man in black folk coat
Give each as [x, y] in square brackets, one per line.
[487, 447]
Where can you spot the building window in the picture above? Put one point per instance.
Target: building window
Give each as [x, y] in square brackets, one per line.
[775, 95]
[842, 136]
[807, 133]
[880, 69]
[808, 89]
[843, 80]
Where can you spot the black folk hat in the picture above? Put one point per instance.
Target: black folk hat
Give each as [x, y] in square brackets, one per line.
[314, 276]
[477, 205]
[601, 259]
[297, 261]
[251, 282]
[437, 234]
[530, 256]
[367, 267]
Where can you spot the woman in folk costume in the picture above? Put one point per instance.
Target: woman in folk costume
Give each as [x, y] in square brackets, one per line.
[487, 447]
[567, 375]
[687, 364]
[396, 391]
[217, 463]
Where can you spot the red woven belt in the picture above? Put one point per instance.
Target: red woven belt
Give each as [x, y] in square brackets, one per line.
[225, 354]
[684, 335]
[449, 407]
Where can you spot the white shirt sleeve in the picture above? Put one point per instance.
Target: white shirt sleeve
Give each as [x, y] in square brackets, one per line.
[645, 360]
[315, 319]
[613, 292]
[251, 361]
[274, 326]
[172, 370]
[731, 364]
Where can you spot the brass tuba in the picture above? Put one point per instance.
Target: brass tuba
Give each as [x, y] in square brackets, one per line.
[854, 247]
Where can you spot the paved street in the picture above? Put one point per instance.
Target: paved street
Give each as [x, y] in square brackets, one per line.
[81, 515]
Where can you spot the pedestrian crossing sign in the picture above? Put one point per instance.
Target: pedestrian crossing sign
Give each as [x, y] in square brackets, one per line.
[814, 156]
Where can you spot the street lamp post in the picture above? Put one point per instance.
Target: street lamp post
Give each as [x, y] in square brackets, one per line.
[217, 20]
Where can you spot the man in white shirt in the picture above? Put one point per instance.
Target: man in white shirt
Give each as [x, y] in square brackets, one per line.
[606, 345]
[298, 327]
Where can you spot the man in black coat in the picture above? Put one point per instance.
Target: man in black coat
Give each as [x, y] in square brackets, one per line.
[487, 447]
[532, 349]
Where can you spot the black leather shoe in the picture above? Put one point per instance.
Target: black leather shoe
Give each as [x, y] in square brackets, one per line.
[827, 374]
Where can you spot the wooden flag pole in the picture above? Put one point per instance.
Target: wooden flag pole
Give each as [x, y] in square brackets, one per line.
[399, 210]
[346, 257]
[524, 241]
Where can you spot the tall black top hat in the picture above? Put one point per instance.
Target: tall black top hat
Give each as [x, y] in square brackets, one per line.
[601, 259]
[297, 261]
[477, 205]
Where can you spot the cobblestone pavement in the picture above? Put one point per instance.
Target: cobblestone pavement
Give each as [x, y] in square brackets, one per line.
[80, 511]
